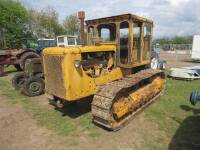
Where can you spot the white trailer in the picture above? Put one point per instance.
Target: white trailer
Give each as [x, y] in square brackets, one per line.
[196, 48]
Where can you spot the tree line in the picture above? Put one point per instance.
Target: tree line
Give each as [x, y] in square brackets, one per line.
[18, 24]
[175, 40]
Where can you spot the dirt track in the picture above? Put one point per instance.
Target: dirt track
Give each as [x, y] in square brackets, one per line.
[19, 131]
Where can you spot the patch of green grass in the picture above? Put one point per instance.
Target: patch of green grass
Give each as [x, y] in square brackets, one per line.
[10, 68]
[170, 113]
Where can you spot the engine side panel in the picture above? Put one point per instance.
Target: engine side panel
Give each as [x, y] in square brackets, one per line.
[64, 80]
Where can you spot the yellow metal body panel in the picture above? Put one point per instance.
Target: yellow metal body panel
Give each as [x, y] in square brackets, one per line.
[79, 50]
[136, 98]
[77, 84]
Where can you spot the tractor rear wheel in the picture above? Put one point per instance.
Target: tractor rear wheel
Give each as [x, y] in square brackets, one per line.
[33, 86]
[27, 56]
[18, 80]
[18, 67]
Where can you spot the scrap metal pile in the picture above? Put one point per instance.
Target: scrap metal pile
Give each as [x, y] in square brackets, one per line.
[185, 73]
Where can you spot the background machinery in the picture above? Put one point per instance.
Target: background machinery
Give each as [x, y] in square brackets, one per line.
[67, 41]
[31, 80]
[14, 57]
[18, 57]
[41, 44]
[113, 68]
[194, 97]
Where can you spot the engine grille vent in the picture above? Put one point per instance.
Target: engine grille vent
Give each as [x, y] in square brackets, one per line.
[54, 75]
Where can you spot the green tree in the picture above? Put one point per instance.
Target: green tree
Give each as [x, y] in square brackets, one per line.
[45, 23]
[179, 40]
[163, 41]
[13, 23]
[72, 25]
[183, 40]
[175, 40]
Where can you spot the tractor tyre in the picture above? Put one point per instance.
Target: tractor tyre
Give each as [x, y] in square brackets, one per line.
[18, 80]
[27, 56]
[18, 67]
[33, 86]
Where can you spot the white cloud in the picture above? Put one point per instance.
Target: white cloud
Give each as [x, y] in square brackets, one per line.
[171, 17]
[177, 2]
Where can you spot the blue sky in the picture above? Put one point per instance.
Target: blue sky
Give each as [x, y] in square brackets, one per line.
[171, 17]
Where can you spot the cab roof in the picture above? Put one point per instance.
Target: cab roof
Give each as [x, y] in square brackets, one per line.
[118, 18]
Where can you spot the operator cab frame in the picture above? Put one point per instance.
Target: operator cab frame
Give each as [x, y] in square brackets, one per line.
[131, 34]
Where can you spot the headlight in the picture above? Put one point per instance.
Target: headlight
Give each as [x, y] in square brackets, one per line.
[77, 63]
[101, 66]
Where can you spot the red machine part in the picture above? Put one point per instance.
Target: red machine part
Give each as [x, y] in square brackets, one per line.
[2, 71]
[9, 57]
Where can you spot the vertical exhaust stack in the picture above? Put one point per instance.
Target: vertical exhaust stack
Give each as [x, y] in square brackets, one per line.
[81, 16]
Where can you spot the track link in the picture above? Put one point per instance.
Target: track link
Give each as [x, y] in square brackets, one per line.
[109, 93]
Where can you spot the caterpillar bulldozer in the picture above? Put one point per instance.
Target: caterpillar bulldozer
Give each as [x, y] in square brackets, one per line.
[113, 67]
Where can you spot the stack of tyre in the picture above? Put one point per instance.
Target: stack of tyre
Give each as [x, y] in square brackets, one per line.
[28, 85]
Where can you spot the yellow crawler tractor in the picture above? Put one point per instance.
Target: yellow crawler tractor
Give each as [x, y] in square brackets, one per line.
[113, 67]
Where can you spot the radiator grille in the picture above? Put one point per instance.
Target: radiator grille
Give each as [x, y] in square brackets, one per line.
[54, 76]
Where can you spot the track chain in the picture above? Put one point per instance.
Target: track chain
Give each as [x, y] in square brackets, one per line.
[108, 93]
